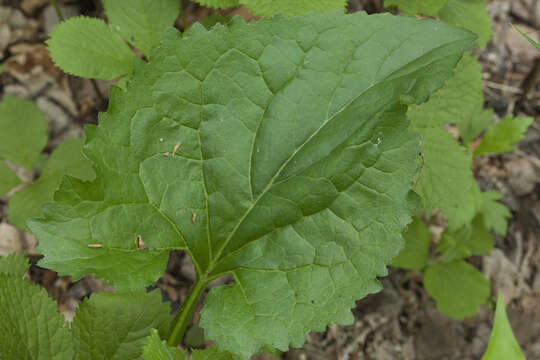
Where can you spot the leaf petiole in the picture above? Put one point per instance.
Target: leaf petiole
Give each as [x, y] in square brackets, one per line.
[181, 320]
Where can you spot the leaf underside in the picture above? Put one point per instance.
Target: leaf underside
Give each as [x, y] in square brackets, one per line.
[281, 156]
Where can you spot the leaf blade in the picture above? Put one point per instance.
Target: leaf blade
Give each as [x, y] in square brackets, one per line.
[88, 48]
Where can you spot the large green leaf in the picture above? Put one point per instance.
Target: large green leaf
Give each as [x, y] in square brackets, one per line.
[115, 326]
[503, 343]
[502, 137]
[23, 131]
[457, 287]
[291, 173]
[413, 7]
[142, 22]
[89, 48]
[30, 326]
[66, 159]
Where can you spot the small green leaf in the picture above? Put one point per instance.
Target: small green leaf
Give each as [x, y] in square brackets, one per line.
[14, 264]
[417, 7]
[457, 287]
[471, 15]
[503, 343]
[115, 326]
[292, 8]
[415, 253]
[30, 324]
[141, 22]
[494, 213]
[8, 178]
[536, 45]
[501, 138]
[23, 131]
[87, 47]
[67, 159]
[157, 349]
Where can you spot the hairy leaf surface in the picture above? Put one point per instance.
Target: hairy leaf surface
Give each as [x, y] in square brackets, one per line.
[89, 48]
[457, 287]
[281, 156]
[115, 326]
[142, 22]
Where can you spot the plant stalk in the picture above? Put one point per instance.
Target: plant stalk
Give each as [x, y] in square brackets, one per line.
[58, 11]
[181, 320]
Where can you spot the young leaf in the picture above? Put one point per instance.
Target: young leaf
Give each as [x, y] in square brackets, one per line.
[142, 22]
[66, 159]
[23, 131]
[89, 48]
[115, 326]
[30, 324]
[292, 8]
[157, 349]
[415, 253]
[8, 178]
[414, 7]
[14, 264]
[494, 213]
[446, 180]
[457, 287]
[503, 343]
[471, 15]
[503, 136]
[291, 173]
[534, 43]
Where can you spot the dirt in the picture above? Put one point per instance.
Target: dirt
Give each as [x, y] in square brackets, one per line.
[400, 322]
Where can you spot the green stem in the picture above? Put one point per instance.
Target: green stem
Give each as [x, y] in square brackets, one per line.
[58, 11]
[181, 320]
